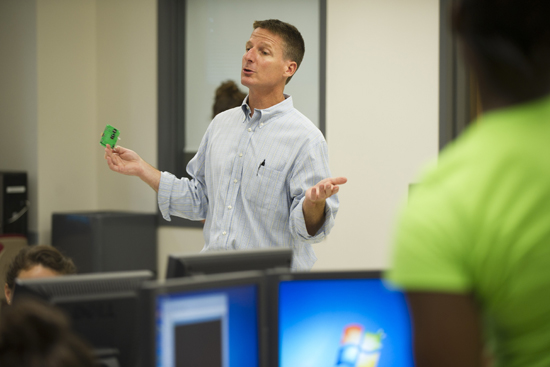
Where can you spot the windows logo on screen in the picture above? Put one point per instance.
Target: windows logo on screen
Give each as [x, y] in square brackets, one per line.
[359, 348]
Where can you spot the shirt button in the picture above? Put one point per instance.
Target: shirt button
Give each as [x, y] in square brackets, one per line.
[261, 124]
[249, 129]
[224, 233]
[235, 180]
[229, 207]
[240, 154]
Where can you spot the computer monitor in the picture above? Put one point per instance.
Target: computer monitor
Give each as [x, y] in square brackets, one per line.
[228, 261]
[102, 307]
[343, 319]
[207, 321]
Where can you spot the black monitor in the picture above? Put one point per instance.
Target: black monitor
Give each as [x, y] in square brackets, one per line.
[228, 261]
[207, 321]
[102, 307]
[344, 319]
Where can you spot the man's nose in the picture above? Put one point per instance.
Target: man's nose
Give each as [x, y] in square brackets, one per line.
[249, 55]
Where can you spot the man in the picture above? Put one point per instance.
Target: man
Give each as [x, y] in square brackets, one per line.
[261, 175]
[473, 245]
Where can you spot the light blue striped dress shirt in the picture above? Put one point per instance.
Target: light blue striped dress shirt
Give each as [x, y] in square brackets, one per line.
[250, 176]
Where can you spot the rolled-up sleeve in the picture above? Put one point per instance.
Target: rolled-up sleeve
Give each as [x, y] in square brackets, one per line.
[310, 170]
[181, 197]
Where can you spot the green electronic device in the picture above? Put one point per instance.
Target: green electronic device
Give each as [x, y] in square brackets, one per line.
[109, 136]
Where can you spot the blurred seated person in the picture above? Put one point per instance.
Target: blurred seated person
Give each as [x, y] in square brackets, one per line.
[228, 95]
[41, 261]
[35, 334]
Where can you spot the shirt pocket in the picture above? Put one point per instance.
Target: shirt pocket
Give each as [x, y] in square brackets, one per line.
[266, 190]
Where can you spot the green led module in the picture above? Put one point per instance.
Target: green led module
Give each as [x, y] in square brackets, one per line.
[109, 136]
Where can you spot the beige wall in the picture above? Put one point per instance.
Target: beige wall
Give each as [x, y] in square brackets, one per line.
[126, 96]
[382, 118]
[18, 94]
[96, 65]
[71, 67]
[66, 73]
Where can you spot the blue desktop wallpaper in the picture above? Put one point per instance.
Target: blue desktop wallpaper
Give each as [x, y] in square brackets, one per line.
[243, 322]
[314, 315]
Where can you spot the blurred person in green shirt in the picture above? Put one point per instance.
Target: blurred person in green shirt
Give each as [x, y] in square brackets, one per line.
[472, 246]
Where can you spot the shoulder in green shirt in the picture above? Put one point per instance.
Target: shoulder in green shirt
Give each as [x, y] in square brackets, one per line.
[479, 223]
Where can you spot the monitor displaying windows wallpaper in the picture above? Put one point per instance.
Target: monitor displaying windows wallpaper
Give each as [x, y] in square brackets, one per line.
[341, 320]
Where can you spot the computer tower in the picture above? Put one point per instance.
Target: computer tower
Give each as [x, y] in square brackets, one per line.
[14, 203]
[108, 240]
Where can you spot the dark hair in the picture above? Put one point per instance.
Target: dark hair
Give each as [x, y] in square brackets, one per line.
[35, 334]
[294, 46]
[511, 39]
[47, 256]
[228, 95]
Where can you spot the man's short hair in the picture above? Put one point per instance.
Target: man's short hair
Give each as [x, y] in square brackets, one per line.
[294, 46]
[47, 256]
[511, 38]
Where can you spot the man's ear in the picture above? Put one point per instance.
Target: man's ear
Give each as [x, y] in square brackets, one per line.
[290, 68]
[7, 293]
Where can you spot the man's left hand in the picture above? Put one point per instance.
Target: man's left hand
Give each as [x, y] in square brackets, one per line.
[323, 190]
[314, 202]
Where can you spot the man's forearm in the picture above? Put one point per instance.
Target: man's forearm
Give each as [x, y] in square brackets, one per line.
[150, 175]
[314, 216]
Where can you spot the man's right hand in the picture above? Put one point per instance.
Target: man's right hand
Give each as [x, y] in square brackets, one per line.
[129, 163]
[124, 161]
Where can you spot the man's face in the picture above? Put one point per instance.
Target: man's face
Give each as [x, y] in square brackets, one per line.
[264, 65]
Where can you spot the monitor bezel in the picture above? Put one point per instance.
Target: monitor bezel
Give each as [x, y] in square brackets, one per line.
[152, 290]
[217, 262]
[48, 289]
[273, 278]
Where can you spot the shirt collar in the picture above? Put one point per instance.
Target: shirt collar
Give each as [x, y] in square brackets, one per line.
[268, 114]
